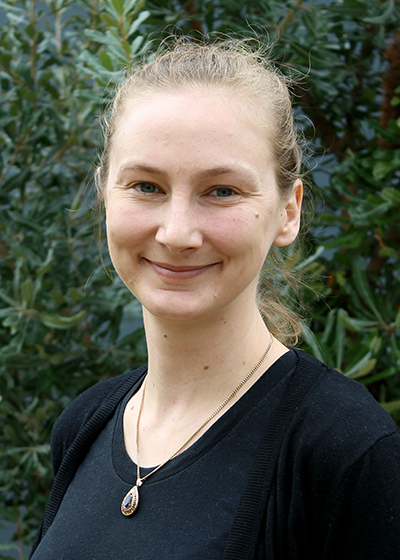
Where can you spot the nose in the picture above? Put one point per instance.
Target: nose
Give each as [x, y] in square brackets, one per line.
[178, 229]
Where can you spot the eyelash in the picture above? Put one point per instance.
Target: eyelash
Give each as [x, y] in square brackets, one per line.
[221, 197]
[139, 186]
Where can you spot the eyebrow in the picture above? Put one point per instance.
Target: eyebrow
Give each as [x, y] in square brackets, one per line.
[141, 167]
[202, 175]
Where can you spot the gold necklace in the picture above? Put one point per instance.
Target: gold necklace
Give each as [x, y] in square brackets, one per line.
[131, 500]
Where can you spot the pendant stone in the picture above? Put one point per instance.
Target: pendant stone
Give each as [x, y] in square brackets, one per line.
[130, 502]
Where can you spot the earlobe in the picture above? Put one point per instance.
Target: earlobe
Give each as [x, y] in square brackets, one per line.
[291, 217]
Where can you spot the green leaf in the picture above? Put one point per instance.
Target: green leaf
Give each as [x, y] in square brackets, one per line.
[20, 219]
[390, 372]
[138, 21]
[391, 407]
[129, 5]
[7, 311]
[136, 44]
[5, 297]
[9, 547]
[391, 195]
[364, 217]
[27, 291]
[364, 289]
[384, 16]
[340, 337]
[11, 433]
[382, 168]
[357, 325]
[362, 368]
[306, 262]
[119, 6]
[105, 60]
[97, 36]
[92, 65]
[61, 322]
[46, 265]
[109, 19]
[329, 324]
[311, 340]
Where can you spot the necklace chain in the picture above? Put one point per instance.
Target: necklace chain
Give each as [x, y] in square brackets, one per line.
[131, 500]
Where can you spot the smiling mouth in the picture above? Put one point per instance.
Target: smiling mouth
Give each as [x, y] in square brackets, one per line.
[169, 271]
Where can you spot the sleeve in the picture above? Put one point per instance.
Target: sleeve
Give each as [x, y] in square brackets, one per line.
[363, 519]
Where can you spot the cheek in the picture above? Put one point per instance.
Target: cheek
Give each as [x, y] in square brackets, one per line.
[126, 234]
[243, 235]
[125, 227]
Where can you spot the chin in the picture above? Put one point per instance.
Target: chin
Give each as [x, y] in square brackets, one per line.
[179, 309]
[175, 312]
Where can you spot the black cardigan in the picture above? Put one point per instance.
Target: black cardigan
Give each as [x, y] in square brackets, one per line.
[84, 419]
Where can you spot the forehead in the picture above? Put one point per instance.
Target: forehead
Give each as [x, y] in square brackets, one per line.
[208, 116]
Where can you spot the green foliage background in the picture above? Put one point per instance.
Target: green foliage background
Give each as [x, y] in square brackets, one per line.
[64, 324]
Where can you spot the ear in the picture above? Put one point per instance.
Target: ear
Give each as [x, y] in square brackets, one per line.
[291, 214]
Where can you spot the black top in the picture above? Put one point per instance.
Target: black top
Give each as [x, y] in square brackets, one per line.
[335, 493]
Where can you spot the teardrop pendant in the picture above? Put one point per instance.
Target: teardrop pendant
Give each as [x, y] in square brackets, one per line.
[131, 501]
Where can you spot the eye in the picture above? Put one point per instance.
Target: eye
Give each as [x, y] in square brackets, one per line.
[146, 188]
[223, 192]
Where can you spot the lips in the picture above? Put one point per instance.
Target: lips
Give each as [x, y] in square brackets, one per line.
[173, 272]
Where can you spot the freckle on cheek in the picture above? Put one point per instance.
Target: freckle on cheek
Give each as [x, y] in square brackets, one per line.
[206, 367]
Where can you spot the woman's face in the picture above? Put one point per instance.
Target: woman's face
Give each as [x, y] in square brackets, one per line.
[192, 205]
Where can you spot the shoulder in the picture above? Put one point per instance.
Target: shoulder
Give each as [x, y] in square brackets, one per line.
[342, 407]
[336, 430]
[346, 468]
[100, 400]
[339, 467]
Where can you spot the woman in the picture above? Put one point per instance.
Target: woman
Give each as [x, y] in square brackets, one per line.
[229, 444]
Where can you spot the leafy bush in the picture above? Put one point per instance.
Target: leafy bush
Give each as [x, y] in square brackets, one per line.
[64, 324]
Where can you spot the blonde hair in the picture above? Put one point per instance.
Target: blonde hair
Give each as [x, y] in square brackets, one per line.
[262, 90]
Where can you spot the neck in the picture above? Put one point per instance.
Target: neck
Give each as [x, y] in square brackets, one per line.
[194, 362]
